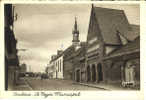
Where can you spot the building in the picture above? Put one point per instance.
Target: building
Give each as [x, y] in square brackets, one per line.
[65, 60]
[52, 64]
[125, 62]
[50, 70]
[79, 63]
[68, 62]
[11, 58]
[57, 62]
[71, 54]
[104, 39]
[23, 68]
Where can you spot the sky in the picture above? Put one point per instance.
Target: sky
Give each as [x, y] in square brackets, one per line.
[42, 29]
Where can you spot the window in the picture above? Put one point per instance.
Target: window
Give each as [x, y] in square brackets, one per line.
[60, 65]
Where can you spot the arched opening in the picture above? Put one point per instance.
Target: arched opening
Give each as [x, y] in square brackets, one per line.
[78, 76]
[88, 74]
[130, 72]
[100, 74]
[93, 73]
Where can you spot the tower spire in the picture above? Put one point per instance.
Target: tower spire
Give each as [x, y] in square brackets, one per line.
[75, 33]
[75, 26]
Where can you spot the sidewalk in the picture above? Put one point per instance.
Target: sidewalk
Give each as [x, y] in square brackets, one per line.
[22, 85]
[107, 86]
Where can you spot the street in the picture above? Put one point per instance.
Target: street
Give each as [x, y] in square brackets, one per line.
[55, 84]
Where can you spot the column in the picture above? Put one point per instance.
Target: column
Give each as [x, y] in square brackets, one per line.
[122, 72]
[96, 73]
[80, 75]
[86, 76]
[75, 75]
[91, 73]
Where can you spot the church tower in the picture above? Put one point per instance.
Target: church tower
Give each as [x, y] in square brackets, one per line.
[75, 33]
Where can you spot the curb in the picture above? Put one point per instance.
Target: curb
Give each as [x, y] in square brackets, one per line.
[28, 85]
[89, 85]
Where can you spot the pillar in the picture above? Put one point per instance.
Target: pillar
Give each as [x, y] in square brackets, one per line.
[74, 75]
[96, 73]
[80, 75]
[122, 72]
[91, 73]
[86, 78]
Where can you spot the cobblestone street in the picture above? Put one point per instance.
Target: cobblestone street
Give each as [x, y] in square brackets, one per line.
[54, 84]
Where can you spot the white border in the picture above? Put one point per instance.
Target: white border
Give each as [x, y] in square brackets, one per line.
[99, 95]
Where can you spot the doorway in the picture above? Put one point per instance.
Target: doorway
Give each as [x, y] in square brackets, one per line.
[129, 72]
[93, 73]
[100, 74]
[78, 76]
[88, 74]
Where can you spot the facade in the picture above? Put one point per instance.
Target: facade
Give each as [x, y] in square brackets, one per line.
[125, 62]
[79, 63]
[52, 64]
[23, 68]
[104, 39]
[57, 62]
[50, 69]
[68, 63]
[61, 70]
[59, 67]
[74, 62]
[11, 58]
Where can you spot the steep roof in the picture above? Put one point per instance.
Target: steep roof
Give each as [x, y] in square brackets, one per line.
[71, 52]
[133, 46]
[134, 32]
[110, 21]
[82, 50]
